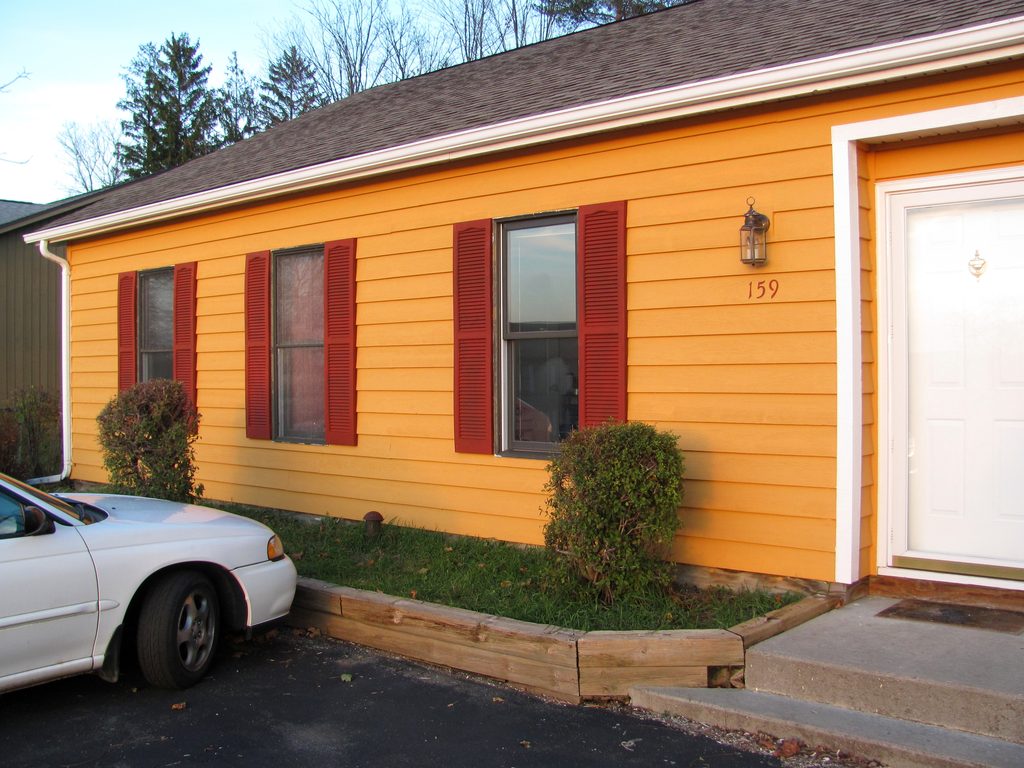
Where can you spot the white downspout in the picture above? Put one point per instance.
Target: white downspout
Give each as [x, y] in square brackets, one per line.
[65, 362]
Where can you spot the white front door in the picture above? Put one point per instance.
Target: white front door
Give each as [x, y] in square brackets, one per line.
[956, 385]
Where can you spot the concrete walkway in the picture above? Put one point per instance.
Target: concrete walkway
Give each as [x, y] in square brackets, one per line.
[902, 691]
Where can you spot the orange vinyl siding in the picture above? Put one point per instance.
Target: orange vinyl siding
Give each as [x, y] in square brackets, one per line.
[747, 385]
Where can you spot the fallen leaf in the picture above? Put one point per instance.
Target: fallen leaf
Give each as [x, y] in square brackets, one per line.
[179, 706]
[629, 745]
[525, 744]
[498, 700]
[296, 555]
[506, 584]
[766, 742]
[423, 571]
[346, 678]
[449, 549]
[788, 748]
[412, 593]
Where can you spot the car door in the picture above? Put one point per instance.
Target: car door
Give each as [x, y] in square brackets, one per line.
[48, 599]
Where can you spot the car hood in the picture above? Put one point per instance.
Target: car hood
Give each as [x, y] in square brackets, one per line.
[137, 509]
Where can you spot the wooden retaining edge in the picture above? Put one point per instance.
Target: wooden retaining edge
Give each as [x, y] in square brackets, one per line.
[760, 628]
[559, 663]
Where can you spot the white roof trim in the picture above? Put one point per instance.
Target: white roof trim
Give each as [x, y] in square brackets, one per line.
[959, 48]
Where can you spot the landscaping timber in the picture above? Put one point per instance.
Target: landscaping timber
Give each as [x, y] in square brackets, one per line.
[563, 664]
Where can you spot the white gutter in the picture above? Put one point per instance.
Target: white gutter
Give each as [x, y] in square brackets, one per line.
[65, 363]
[960, 48]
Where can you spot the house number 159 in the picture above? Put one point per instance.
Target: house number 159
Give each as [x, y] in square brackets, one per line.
[762, 289]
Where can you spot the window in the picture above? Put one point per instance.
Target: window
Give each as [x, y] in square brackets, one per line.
[156, 326]
[298, 345]
[549, 355]
[539, 355]
[300, 364]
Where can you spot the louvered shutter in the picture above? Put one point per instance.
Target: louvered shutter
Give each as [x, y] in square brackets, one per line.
[127, 363]
[601, 286]
[184, 347]
[474, 422]
[340, 342]
[258, 420]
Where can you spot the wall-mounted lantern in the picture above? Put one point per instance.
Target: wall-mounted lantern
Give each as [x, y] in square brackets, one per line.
[753, 237]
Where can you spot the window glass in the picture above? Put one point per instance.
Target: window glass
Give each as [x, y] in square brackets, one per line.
[541, 269]
[544, 374]
[12, 517]
[540, 356]
[298, 345]
[155, 332]
[299, 285]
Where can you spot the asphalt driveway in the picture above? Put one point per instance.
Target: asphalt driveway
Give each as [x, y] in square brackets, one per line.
[292, 700]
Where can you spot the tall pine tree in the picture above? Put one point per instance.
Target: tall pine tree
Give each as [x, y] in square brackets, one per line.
[237, 108]
[289, 89]
[570, 14]
[173, 113]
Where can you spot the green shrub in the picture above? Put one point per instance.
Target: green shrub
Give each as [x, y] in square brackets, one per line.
[147, 434]
[30, 434]
[614, 495]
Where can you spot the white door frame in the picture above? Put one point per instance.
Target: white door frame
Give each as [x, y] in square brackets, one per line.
[891, 202]
[846, 143]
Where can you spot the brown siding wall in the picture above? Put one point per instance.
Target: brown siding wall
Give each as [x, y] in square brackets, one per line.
[29, 318]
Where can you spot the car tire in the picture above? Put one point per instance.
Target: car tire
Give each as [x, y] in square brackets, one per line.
[178, 629]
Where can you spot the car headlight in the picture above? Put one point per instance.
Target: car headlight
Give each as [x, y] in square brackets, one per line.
[275, 548]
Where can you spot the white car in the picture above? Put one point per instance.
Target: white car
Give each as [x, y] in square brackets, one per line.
[84, 575]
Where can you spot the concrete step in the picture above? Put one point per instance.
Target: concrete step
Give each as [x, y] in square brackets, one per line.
[891, 741]
[934, 702]
[967, 679]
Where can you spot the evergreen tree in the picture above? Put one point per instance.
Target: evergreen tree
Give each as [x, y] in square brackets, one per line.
[173, 113]
[238, 112]
[571, 14]
[289, 89]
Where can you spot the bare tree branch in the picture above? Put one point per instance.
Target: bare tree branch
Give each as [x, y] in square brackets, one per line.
[92, 156]
[411, 49]
[23, 74]
[340, 40]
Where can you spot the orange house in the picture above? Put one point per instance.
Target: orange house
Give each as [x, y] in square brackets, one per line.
[402, 301]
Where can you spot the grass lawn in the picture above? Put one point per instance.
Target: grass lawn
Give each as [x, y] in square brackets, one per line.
[487, 576]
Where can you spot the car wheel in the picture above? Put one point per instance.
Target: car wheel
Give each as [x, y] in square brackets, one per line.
[178, 630]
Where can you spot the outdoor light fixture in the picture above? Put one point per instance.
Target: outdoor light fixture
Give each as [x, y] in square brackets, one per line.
[753, 237]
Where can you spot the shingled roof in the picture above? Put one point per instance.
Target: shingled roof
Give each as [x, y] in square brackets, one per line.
[688, 44]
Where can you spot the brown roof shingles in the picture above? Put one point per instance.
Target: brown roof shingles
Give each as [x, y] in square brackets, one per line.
[697, 41]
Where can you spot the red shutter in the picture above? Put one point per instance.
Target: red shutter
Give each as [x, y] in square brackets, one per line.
[127, 364]
[340, 342]
[474, 421]
[601, 286]
[258, 422]
[185, 327]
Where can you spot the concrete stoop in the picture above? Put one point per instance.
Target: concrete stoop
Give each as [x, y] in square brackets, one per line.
[891, 741]
[958, 705]
[905, 693]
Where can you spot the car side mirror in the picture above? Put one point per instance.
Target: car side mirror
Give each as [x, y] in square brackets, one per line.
[37, 522]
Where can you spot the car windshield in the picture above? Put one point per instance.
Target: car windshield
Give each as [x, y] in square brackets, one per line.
[68, 509]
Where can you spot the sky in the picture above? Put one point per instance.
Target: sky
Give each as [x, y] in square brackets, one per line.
[75, 53]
